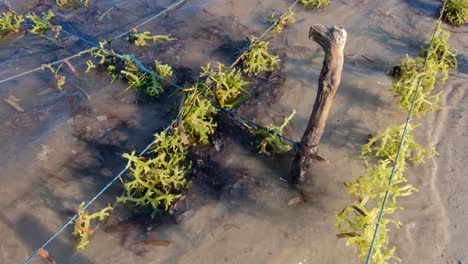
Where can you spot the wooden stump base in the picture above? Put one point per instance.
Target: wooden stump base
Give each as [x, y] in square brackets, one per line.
[333, 41]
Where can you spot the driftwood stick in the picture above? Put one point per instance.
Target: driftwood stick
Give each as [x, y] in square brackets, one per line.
[332, 40]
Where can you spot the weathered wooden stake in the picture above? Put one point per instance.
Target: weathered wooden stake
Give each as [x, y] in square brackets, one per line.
[332, 40]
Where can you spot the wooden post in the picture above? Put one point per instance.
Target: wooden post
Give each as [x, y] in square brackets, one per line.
[332, 40]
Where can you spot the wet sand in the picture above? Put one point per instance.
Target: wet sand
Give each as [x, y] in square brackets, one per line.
[64, 147]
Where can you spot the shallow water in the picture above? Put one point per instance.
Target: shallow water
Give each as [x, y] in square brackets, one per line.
[63, 148]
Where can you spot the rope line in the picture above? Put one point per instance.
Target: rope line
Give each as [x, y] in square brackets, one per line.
[270, 28]
[42, 66]
[86, 41]
[233, 113]
[405, 130]
[108, 185]
[146, 70]
[277, 21]
[151, 18]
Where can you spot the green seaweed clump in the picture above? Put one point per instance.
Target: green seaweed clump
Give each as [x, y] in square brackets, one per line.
[159, 180]
[198, 119]
[373, 184]
[383, 179]
[140, 38]
[228, 85]
[314, 3]
[83, 224]
[127, 68]
[456, 12]
[138, 80]
[132, 73]
[143, 82]
[258, 59]
[73, 3]
[59, 79]
[269, 141]
[112, 64]
[440, 58]
[281, 22]
[153, 86]
[104, 56]
[41, 25]
[163, 70]
[89, 66]
[406, 87]
[10, 22]
[385, 146]
[357, 224]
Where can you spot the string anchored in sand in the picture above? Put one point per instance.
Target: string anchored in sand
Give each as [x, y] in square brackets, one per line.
[387, 154]
[193, 126]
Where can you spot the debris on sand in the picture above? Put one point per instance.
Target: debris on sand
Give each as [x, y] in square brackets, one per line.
[154, 242]
[43, 254]
[13, 102]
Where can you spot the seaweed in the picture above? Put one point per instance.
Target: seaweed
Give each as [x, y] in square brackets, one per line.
[406, 87]
[41, 25]
[384, 178]
[153, 86]
[440, 57]
[159, 180]
[136, 81]
[373, 183]
[73, 3]
[89, 66]
[314, 3]
[456, 12]
[141, 81]
[269, 141]
[104, 56]
[282, 21]
[386, 144]
[227, 84]
[125, 67]
[10, 22]
[140, 38]
[198, 119]
[83, 229]
[357, 224]
[258, 59]
[163, 70]
[59, 79]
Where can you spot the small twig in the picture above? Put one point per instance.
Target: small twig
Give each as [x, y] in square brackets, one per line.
[84, 92]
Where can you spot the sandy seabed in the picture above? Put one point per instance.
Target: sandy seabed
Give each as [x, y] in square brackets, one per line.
[63, 148]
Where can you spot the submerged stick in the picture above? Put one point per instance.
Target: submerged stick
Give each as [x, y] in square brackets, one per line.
[332, 40]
